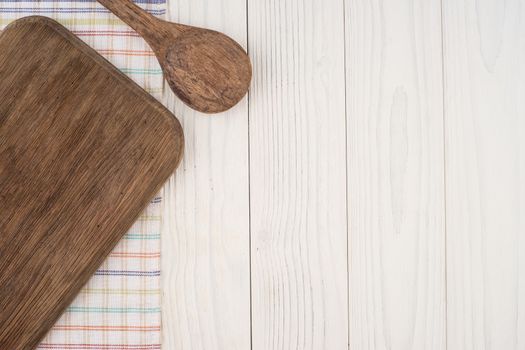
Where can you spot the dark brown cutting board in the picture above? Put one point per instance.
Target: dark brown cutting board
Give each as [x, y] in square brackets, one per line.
[83, 150]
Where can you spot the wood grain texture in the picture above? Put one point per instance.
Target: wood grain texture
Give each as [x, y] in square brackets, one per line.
[395, 175]
[205, 257]
[207, 70]
[484, 50]
[399, 245]
[297, 175]
[82, 151]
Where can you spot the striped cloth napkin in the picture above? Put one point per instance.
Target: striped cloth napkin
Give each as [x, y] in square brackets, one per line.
[119, 308]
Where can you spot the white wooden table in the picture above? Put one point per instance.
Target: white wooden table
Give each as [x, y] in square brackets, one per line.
[370, 192]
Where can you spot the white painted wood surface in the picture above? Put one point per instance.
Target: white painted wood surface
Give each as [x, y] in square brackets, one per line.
[205, 244]
[395, 175]
[297, 175]
[484, 51]
[369, 193]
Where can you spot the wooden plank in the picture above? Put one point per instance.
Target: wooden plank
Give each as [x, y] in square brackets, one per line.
[83, 150]
[395, 175]
[297, 175]
[484, 50]
[205, 257]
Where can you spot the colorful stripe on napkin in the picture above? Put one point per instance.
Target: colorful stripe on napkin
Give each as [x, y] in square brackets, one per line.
[119, 309]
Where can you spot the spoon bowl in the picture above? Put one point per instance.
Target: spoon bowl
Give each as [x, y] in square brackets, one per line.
[207, 70]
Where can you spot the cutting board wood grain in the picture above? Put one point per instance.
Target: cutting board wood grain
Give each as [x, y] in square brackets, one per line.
[83, 150]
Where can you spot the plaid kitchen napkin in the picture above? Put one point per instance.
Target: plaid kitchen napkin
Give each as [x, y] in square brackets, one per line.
[119, 308]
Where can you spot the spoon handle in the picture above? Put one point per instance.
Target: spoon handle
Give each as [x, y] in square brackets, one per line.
[141, 21]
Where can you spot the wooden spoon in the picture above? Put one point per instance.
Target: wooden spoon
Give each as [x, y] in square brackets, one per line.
[208, 70]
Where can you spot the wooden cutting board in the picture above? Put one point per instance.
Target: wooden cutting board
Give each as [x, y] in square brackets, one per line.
[83, 150]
